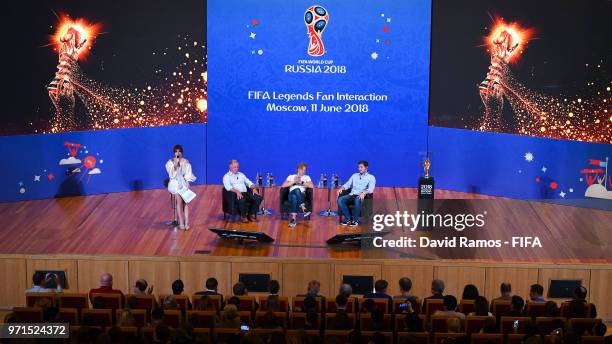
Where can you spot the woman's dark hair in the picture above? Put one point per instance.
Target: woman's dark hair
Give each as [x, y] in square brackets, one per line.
[577, 309]
[269, 321]
[470, 292]
[551, 309]
[177, 287]
[481, 306]
[178, 148]
[272, 303]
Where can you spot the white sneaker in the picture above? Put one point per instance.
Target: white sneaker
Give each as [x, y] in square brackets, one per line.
[292, 223]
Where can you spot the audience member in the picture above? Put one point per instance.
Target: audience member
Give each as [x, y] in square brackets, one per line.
[273, 287]
[450, 307]
[273, 303]
[178, 287]
[229, 317]
[517, 307]
[580, 294]
[313, 289]
[599, 329]
[170, 303]
[536, 293]
[405, 285]
[481, 307]
[106, 287]
[341, 303]
[505, 290]
[141, 287]
[470, 292]
[211, 286]
[551, 309]
[437, 289]
[240, 289]
[380, 292]
[40, 280]
[234, 300]
[346, 290]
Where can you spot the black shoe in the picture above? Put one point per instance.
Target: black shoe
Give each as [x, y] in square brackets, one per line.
[353, 224]
[345, 223]
[292, 223]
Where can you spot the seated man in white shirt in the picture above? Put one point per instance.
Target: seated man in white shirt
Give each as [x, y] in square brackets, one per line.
[39, 279]
[237, 182]
[297, 184]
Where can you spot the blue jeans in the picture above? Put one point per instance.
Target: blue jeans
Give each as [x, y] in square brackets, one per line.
[296, 197]
[344, 208]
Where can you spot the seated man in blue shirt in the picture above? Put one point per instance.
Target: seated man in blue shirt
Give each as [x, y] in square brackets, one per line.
[361, 184]
[536, 293]
[237, 182]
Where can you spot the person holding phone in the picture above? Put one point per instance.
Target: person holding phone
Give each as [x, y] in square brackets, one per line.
[180, 174]
[40, 281]
[297, 184]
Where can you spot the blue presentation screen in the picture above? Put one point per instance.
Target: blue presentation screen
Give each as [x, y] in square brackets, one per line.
[328, 83]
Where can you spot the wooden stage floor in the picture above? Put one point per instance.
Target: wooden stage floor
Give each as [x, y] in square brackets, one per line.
[133, 223]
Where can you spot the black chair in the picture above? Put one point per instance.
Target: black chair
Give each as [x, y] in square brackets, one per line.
[366, 205]
[285, 206]
[230, 203]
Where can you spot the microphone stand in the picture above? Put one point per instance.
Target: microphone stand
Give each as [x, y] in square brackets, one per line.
[329, 212]
[174, 222]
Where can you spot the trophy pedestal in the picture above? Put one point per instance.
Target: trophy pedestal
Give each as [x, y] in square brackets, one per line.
[426, 188]
[425, 203]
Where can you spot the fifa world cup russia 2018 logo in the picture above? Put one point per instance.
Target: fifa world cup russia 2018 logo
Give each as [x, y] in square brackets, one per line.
[316, 18]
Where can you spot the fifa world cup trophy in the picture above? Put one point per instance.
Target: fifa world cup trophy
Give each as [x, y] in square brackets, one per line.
[61, 88]
[316, 19]
[503, 46]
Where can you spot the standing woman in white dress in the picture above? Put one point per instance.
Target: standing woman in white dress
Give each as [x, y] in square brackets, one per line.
[180, 174]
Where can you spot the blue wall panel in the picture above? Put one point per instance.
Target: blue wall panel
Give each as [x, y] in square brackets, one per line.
[127, 159]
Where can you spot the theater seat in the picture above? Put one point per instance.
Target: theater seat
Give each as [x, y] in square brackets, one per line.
[68, 315]
[28, 314]
[102, 317]
[32, 298]
[415, 337]
[73, 300]
[487, 338]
